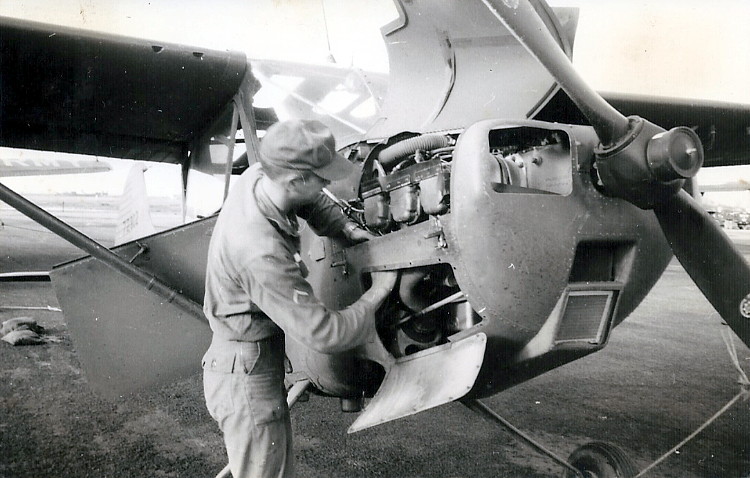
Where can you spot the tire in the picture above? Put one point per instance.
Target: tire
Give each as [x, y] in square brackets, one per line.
[601, 460]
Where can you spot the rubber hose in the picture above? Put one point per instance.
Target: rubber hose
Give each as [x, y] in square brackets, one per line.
[409, 146]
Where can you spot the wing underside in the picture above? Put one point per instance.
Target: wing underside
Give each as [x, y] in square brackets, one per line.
[93, 93]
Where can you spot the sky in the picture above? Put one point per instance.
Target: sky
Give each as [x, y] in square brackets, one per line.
[684, 48]
[679, 48]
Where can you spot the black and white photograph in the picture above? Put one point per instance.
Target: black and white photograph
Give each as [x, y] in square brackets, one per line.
[374, 238]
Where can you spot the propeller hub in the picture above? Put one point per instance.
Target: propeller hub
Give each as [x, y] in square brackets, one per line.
[648, 164]
[675, 154]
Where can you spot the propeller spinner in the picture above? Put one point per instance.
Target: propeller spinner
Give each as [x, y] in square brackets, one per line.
[647, 166]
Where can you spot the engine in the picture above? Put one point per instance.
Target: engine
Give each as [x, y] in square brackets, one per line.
[407, 181]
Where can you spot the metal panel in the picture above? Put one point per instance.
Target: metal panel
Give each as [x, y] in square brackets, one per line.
[453, 63]
[425, 380]
[177, 256]
[127, 338]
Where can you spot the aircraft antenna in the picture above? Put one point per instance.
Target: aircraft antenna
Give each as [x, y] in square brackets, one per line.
[330, 57]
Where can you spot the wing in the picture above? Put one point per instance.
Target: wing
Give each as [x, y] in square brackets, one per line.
[67, 90]
[724, 128]
[39, 166]
[92, 93]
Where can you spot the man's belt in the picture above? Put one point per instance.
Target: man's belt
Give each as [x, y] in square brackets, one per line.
[253, 357]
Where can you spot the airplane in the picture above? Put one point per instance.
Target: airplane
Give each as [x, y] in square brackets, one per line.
[527, 216]
[43, 166]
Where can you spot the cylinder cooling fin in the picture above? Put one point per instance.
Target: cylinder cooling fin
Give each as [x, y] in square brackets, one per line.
[406, 182]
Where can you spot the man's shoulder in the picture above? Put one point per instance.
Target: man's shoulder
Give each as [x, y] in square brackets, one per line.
[240, 205]
[242, 227]
[240, 220]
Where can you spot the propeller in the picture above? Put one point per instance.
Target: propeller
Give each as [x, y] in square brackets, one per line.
[647, 166]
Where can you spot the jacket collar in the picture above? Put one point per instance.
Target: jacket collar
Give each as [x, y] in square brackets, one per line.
[285, 223]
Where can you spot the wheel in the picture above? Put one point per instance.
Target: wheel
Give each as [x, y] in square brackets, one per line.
[601, 460]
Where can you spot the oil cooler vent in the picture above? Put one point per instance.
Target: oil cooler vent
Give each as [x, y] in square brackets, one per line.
[587, 314]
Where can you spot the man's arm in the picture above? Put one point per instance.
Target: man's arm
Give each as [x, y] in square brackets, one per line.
[323, 216]
[276, 286]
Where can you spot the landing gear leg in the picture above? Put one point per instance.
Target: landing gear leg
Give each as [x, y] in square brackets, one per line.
[593, 460]
[486, 412]
[294, 394]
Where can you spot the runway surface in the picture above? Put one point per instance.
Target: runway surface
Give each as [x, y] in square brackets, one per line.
[664, 372]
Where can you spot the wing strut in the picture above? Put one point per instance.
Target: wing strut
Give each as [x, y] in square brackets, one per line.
[93, 248]
[238, 112]
[242, 115]
[244, 102]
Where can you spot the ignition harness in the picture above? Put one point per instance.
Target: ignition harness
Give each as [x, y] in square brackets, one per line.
[347, 209]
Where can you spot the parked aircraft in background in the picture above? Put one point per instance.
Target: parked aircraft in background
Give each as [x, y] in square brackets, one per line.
[134, 217]
[527, 216]
[38, 166]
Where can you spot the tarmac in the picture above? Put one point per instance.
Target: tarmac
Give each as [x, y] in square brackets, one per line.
[665, 371]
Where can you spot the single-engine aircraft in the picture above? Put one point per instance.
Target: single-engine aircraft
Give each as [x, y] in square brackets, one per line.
[526, 215]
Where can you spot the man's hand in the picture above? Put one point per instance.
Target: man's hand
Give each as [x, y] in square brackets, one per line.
[356, 234]
[382, 285]
[373, 349]
[384, 280]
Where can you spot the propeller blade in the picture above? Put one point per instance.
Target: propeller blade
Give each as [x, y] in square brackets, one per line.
[521, 18]
[710, 258]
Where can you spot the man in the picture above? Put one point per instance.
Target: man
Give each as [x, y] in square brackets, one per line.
[256, 293]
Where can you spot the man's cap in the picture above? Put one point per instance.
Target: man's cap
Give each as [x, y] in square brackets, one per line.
[304, 145]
